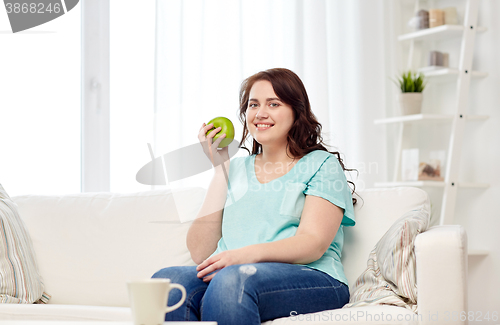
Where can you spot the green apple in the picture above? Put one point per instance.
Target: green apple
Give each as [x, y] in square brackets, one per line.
[226, 127]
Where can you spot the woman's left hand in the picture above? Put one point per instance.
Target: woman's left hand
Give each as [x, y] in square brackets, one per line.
[219, 261]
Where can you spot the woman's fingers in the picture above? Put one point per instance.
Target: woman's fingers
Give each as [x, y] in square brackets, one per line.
[209, 278]
[204, 129]
[219, 140]
[203, 133]
[214, 132]
[208, 127]
[207, 270]
[211, 146]
[210, 137]
[214, 146]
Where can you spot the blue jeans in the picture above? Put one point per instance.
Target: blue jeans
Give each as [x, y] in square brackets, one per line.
[253, 293]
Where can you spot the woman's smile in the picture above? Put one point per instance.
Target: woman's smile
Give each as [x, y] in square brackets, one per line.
[263, 127]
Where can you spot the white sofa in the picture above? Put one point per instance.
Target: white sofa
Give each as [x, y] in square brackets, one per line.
[88, 245]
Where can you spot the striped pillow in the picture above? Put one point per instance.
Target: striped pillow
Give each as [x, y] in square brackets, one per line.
[20, 281]
[390, 278]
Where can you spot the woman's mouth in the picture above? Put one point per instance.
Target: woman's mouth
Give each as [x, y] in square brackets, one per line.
[263, 127]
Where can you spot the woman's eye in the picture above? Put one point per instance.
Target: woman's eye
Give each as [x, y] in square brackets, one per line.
[275, 104]
[251, 105]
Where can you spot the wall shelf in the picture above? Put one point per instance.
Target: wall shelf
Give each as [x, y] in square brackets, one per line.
[431, 184]
[462, 75]
[410, 183]
[432, 72]
[437, 33]
[452, 121]
[426, 117]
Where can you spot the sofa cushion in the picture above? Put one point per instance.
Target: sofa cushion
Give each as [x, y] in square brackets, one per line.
[376, 211]
[390, 278]
[52, 312]
[90, 244]
[20, 280]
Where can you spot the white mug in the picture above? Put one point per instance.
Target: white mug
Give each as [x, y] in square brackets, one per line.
[148, 300]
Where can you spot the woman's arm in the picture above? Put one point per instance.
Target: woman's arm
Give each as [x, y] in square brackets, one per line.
[206, 229]
[318, 226]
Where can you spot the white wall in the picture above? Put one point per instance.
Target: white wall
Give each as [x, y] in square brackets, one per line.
[476, 209]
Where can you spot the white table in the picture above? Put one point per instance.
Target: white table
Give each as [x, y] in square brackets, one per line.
[35, 322]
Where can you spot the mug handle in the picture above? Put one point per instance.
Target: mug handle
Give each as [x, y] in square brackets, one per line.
[177, 305]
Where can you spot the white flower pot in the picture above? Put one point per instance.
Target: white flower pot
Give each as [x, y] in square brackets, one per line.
[410, 103]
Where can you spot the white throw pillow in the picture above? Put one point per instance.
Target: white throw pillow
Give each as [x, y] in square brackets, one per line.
[390, 277]
[20, 281]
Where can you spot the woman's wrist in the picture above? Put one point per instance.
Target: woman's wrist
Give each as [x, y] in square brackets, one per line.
[222, 168]
[252, 253]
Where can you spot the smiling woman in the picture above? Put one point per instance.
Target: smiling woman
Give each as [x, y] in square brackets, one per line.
[276, 250]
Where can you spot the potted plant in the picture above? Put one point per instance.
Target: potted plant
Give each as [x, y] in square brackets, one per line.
[410, 99]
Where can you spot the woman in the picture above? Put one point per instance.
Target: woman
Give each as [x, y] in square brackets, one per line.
[272, 248]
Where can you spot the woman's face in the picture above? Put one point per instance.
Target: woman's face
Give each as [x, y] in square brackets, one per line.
[264, 107]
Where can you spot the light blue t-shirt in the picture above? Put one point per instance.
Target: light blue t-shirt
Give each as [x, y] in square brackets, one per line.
[260, 213]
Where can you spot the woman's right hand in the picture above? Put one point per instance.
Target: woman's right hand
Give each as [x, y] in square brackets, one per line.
[216, 156]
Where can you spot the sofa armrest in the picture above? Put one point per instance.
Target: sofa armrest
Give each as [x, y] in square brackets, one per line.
[441, 258]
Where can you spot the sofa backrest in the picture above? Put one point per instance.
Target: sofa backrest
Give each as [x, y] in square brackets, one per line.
[375, 214]
[89, 245]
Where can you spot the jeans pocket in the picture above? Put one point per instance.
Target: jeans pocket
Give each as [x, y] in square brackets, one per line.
[293, 201]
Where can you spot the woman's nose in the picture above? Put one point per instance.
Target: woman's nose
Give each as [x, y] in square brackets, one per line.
[261, 113]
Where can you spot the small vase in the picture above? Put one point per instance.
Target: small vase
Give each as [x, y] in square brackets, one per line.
[410, 103]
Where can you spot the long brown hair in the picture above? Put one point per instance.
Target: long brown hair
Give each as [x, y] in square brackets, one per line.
[305, 134]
